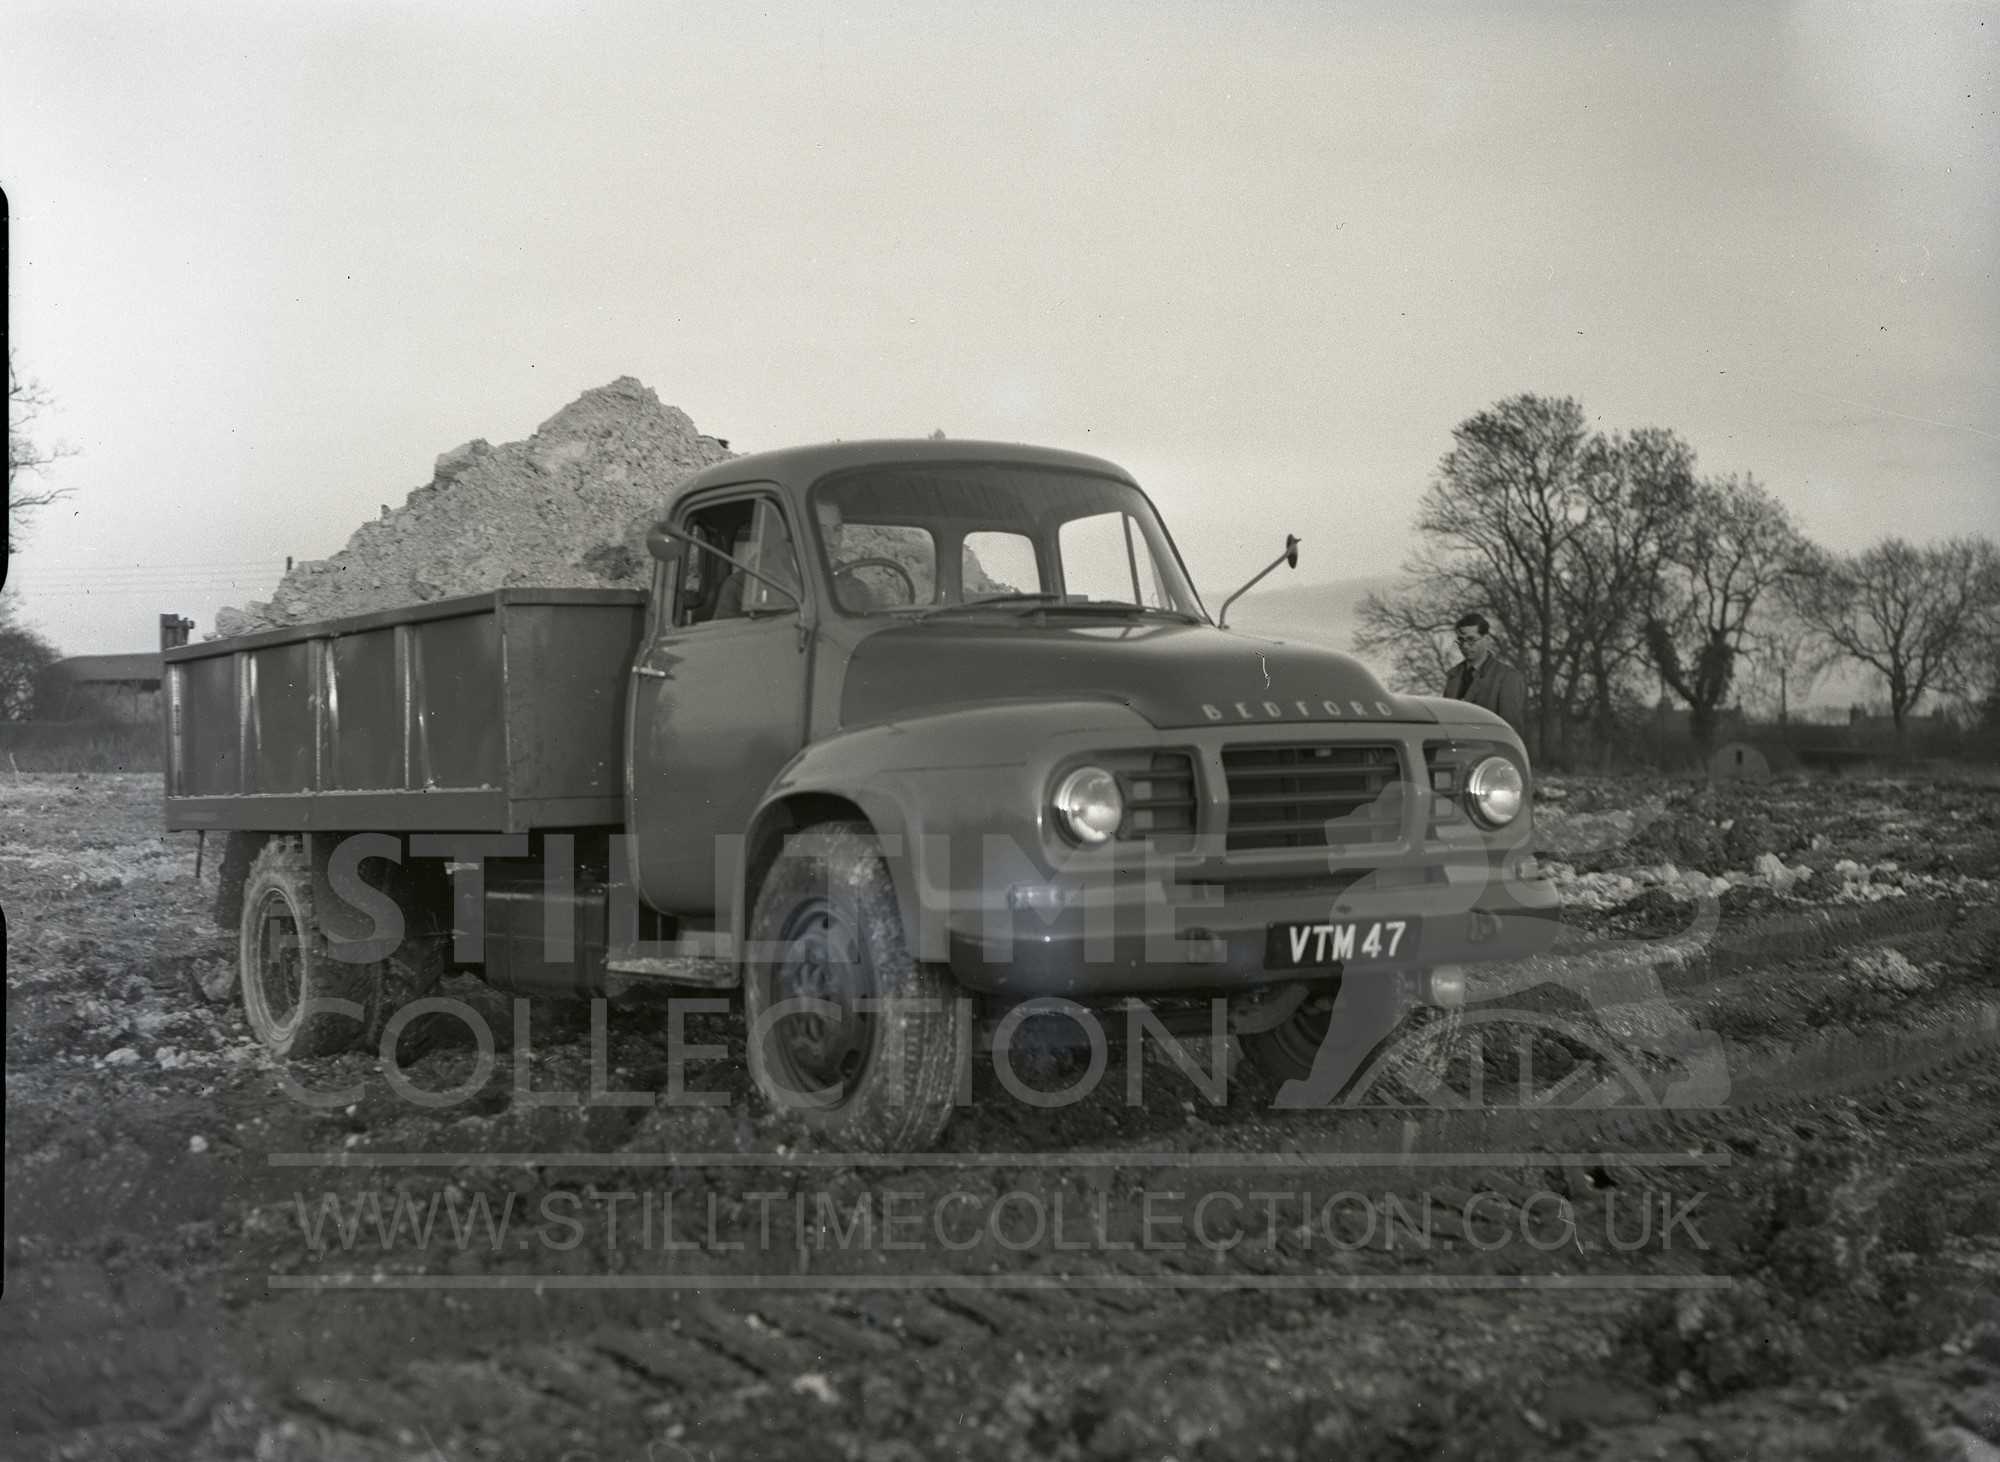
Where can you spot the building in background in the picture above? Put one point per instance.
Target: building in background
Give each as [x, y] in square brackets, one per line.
[112, 687]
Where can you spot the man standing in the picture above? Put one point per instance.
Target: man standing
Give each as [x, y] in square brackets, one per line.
[1483, 678]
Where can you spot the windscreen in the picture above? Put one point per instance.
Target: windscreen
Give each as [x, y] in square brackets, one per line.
[924, 537]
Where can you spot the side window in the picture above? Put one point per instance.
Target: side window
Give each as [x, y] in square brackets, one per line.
[1105, 558]
[704, 588]
[999, 563]
[772, 554]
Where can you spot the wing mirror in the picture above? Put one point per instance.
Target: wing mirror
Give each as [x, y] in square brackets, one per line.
[662, 541]
[1289, 558]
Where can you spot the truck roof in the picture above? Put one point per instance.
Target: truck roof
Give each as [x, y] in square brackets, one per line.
[802, 466]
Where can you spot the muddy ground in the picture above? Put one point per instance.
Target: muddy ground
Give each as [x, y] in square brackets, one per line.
[1529, 1256]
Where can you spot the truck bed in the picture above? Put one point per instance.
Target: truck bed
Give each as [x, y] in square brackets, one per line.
[497, 712]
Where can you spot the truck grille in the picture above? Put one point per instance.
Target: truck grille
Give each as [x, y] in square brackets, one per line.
[1316, 796]
[1159, 795]
[1446, 776]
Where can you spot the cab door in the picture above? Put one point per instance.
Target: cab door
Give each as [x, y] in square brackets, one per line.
[718, 701]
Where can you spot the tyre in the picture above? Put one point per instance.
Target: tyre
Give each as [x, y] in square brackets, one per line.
[217, 984]
[1344, 1041]
[284, 969]
[239, 851]
[874, 1063]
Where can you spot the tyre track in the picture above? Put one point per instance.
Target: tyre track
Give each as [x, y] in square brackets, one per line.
[752, 1365]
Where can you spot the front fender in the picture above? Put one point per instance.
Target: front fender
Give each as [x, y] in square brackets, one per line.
[952, 797]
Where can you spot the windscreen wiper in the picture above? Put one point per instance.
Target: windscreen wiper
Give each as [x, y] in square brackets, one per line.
[1111, 606]
[1025, 604]
[995, 601]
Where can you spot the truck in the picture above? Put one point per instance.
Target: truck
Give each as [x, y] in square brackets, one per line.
[905, 740]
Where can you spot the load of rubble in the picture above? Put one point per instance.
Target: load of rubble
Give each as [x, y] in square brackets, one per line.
[569, 508]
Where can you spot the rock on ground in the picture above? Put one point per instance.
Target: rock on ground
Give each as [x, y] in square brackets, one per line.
[569, 507]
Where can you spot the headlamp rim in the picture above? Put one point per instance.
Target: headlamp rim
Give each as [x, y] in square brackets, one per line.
[1476, 788]
[1066, 824]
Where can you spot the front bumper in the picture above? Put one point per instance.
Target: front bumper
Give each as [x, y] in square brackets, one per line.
[1139, 940]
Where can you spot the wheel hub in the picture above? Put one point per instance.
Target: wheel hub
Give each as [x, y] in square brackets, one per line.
[280, 972]
[823, 962]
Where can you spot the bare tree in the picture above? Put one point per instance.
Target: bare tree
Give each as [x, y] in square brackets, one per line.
[25, 656]
[1983, 694]
[1912, 614]
[27, 402]
[1975, 673]
[1504, 512]
[1726, 556]
[1554, 533]
[1782, 659]
[1411, 628]
[1643, 489]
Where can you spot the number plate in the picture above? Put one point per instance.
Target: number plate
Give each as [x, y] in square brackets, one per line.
[1330, 942]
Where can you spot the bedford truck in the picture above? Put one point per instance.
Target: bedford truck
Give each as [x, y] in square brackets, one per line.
[900, 729]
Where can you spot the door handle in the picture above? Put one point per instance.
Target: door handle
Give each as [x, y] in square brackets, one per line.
[649, 671]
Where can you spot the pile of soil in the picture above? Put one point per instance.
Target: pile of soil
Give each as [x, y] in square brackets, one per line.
[569, 507]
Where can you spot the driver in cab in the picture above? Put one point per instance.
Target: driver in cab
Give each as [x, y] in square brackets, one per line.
[766, 547]
[857, 594]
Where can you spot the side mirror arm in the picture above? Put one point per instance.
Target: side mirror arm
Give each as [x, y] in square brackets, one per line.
[1290, 558]
[659, 544]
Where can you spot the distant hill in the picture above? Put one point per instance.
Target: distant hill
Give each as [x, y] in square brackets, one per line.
[1321, 614]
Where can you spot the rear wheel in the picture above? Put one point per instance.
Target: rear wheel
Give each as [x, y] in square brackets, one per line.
[216, 984]
[848, 1031]
[284, 969]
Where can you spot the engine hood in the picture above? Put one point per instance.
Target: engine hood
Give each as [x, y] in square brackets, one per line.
[1175, 675]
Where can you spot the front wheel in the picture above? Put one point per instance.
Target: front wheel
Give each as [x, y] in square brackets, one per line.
[847, 1030]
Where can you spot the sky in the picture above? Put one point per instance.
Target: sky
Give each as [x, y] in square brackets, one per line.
[271, 259]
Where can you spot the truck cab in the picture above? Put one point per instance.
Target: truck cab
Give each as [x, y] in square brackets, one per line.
[915, 725]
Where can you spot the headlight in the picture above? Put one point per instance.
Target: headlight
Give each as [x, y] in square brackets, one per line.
[1495, 791]
[1088, 805]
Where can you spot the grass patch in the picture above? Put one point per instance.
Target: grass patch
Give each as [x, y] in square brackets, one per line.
[79, 746]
